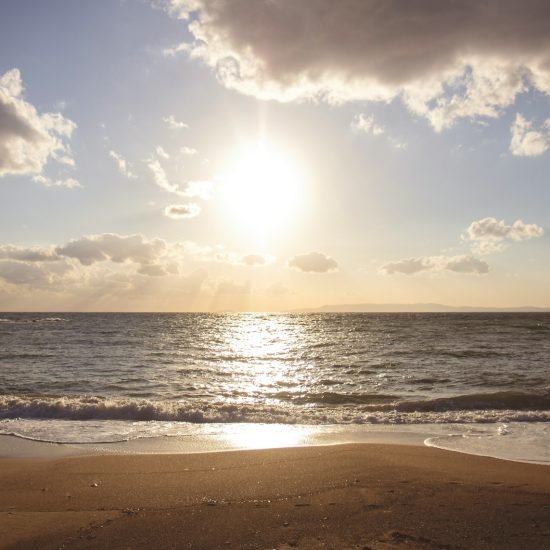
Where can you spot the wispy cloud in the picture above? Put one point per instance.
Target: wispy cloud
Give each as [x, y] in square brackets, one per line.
[160, 177]
[365, 123]
[162, 153]
[69, 183]
[174, 124]
[122, 165]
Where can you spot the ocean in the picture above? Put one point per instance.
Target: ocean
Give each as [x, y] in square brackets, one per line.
[472, 382]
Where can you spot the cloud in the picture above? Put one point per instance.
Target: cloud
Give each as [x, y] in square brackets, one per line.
[199, 189]
[22, 273]
[189, 151]
[113, 247]
[179, 211]
[458, 264]
[174, 50]
[174, 124]
[313, 262]
[32, 254]
[122, 164]
[528, 141]
[153, 270]
[69, 183]
[366, 124]
[28, 140]
[493, 230]
[254, 259]
[102, 272]
[160, 177]
[445, 60]
[162, 153]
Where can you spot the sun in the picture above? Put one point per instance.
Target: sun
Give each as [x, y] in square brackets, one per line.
[263, 188]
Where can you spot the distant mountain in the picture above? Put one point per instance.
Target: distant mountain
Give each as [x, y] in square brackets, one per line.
[418, 308]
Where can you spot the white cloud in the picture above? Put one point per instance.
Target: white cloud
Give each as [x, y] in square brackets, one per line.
[160, 177]
[458, 264]
[528, 141]
[69, 183]
[189, 151]
[366, 124]
[199, 189]
[179, 211]
[445, 60]
[491, 229]
[180, 9]
[313, 262]
[175, 50]
[174, 124]
[483, 248]
[28, 140]
[162, 153]
[122, 164]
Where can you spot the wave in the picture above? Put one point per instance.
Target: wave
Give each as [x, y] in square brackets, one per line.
[35, 320]
[480, 408]
[516, 400]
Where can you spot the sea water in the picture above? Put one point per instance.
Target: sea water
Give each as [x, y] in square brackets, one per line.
[476, 382]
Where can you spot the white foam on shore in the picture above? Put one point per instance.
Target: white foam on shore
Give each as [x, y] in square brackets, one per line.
[525, 442]
[521, 442]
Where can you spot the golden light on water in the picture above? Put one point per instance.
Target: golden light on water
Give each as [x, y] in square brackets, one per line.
[266, 346]
[263, 188]
[264, 436]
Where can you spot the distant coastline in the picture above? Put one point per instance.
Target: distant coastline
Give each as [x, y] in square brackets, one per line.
[418, 308]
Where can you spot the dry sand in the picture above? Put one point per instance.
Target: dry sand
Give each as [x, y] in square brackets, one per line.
[346, 496]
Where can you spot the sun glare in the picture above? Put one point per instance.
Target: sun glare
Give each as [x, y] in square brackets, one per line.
[262, 188]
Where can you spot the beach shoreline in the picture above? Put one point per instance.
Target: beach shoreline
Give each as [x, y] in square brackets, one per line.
[370, 495]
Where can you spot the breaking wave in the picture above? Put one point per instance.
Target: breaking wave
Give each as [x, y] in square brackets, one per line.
[477, 408]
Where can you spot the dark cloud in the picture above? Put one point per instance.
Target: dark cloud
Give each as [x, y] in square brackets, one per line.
[33, 254]
[448, 59]
[117, 248]
[22, 273]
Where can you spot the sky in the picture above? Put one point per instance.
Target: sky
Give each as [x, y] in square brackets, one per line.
[269, 155]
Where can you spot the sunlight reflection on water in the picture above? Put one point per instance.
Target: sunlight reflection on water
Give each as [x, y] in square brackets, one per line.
[264, 436]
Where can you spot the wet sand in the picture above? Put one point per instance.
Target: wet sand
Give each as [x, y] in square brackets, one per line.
[367, 496]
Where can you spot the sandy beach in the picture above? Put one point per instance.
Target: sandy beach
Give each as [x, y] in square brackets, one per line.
[365, 496]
